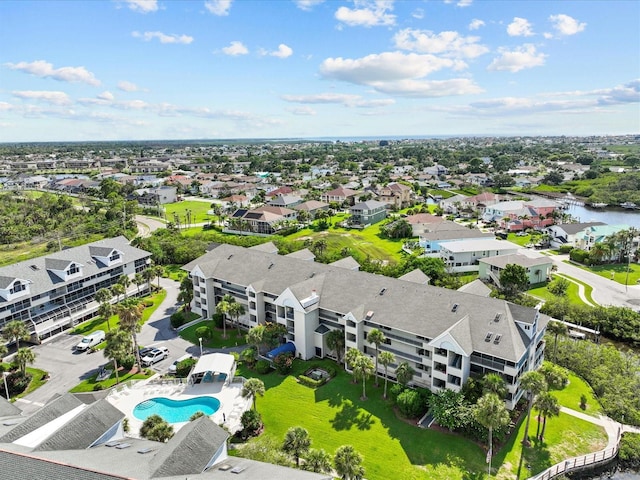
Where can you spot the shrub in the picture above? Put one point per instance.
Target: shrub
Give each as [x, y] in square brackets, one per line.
[583, 401]
[263, 367]
[125, 425]
[17, 382]
[395, 390]
[177, 319]
[147, 303]
[283, 363]
[97, 387]
[184, 367]
[410, 403]
[128, 362]
[251, 422]
[565, 248]
[156, 429]
[310, 382]
[630, 450]
[217, 320]
[578, 255]
[203, 332]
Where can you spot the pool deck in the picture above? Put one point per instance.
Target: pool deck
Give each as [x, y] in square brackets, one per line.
[232, 404]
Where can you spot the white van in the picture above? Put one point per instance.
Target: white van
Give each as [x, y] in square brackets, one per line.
[174, 365]
[91, 340]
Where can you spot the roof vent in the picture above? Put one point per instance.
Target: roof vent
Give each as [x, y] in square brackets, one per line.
[145, 450]
[270, 266]
[122, 446]
[455, 307]
[488, 337]
[497, 339]
[238, 469]
[497, 317]
[369, 315]
[382, 291]
[229, 257]
[34, 267]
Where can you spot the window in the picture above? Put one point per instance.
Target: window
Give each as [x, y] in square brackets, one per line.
[114, 257]
[73, 269]
[17, 287]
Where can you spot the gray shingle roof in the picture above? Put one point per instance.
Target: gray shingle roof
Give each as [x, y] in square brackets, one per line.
[502, 261]
[477, 287]
[52, 410]
[15, 465]
[349, 263]
[84, 429]
[8, 409]
[191, 449]
[304, 254]
[411, 307]
[416, 276]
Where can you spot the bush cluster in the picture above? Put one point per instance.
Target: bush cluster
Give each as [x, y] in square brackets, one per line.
[184, 367]
[178, 319]
[263, 367]
[310, 382]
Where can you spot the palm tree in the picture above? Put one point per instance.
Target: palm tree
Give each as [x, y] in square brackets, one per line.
[376, 338]
[118, 347]
[235, 310]
[404, 373]
[148, 275]
[386, 359]
[23, 357]
[255, 336]
[335, 341]
[252, 388]
[317, 461]
[158, 271]
[491, 413]
[548, 406]
[186, 293]
[14, 331]
[363, 367]
[494, 383]
[130, 313]
[3, 351]
[118, 289]
[556, 328]
[348, 463]
[534, 384]
[296, 443]
[138, 279]
[105, 310]
[222, 308]
[125, 281]
[350, 358]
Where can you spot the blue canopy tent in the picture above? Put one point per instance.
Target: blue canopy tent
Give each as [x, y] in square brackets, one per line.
[287, 347]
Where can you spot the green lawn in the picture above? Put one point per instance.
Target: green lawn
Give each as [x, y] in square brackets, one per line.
[570, 395]
[619, 271]
[37, 380]
[88, 385]
[543, 293]
[198, 211]
[98, 323]
[588, 289]
[175, 272]
[233, 338]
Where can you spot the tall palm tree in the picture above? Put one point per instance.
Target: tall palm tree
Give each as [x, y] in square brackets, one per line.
[138, 279]
[186, 293]
[255, 336]
[296, 443]
[534, 384]
[235, 311]
[335, 341]
[14, 331]
[386, 359]
[376, 338]
[548, 406]
[222, 308]
[148, 275]
[348, 463]
[491, 413]
[350, 358]
[252, 388]
[130, 313]
[556, 328]
[404, 373]
[125, 281]
[317, 461]
[363, 367]
[118, 346]
[105, 310]
[158, 271]
[118, 289]
[23, 357]
[494, 383]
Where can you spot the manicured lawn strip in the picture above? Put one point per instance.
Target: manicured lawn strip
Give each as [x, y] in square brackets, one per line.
[619, 271]
[334, 415]
[198, 211]
[588, 289]
[36, 380]
[174, 272]
[566, 436]
[99, 323]
[570, 395]
[522, 241]
[543, 293]
[232, 340]
[442, 193]
[89, 384]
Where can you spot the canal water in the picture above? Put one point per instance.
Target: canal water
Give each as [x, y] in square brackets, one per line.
[615, 216]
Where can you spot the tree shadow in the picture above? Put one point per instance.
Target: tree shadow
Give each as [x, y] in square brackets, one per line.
[349, 416]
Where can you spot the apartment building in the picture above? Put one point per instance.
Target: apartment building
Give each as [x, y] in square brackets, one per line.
[444, 335]
[55, 292]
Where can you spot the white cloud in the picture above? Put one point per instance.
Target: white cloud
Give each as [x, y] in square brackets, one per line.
[476, 24]
[143, 6]
[307, 5]
[163, 37]
[338, 98]
[565, 25]
[450, 44]
[460, 3]
[235, 48]
[283, 51]
[520, 27]
[418, 13]
[518, 59]
[302, 111]
[108, 96]
[627, 93]
[43, 69]
[218, 7]
[372, 14]
[429, 88]
[51, 97]
[127, 86]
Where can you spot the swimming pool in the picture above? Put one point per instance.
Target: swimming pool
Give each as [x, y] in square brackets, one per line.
[176, 411]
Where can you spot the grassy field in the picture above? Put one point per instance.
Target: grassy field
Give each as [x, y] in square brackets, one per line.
[17, 252]
[233, 338]
[198, 211]
[570, 395]
[334, 415]
[588, 289]
[99, 323]
[543, 293]
[619, 271]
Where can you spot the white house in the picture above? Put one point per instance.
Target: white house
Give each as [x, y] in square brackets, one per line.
[463, 255]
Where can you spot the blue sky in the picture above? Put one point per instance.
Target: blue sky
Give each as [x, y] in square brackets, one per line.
[196, 69]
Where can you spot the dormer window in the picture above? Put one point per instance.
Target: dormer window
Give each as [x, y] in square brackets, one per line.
[73, 269]
[114, 257]
[17, 287]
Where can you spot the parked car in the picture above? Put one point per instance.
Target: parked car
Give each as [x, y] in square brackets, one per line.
[144, 351]
[154, 356]
[173, 367]
[91, 340]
